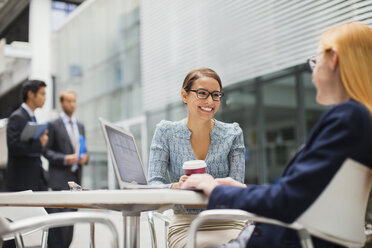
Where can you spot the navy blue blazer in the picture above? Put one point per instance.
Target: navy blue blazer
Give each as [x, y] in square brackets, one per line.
[344, 131]
[24, 170]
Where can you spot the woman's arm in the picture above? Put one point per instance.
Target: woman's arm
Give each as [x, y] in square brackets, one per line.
[159, 155]
[344, 132]
[236, 156]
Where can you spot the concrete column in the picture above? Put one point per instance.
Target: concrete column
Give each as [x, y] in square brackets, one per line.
[40, 39]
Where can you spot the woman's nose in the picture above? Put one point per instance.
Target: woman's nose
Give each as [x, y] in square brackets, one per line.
[209, 98]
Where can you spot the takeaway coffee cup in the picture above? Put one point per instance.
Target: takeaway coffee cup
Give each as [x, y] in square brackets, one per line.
[194, 167]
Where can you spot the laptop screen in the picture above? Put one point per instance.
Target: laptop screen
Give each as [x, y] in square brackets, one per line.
[126, 156]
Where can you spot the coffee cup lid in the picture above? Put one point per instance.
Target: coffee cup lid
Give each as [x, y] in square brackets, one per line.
[194, 164]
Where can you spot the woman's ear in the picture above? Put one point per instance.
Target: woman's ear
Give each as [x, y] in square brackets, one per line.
[184, 95]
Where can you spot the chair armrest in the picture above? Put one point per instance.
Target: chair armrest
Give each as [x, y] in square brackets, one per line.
[162, 217]
[235, 214]
[58, 220]
[151, 222]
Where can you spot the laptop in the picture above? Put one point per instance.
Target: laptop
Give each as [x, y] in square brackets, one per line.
[128, 167]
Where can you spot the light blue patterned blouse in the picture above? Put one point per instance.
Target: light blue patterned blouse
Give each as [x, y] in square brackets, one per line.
[171, 147]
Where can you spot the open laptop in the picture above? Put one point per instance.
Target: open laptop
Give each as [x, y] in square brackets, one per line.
[125, 158]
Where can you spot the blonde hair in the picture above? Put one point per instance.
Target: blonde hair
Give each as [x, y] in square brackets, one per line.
[353, 43]
[68, 91]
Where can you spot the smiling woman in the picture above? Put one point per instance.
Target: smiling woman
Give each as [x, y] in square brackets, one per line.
[198, 137]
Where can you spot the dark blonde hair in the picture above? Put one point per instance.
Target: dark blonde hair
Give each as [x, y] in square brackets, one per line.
[353, 43]
[194, 75]
[61, 95]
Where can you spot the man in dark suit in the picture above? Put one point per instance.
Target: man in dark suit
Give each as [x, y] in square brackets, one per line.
[24, 170]
[66, 154]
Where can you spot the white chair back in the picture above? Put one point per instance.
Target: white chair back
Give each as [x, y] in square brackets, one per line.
[14, 214]
[19, 213]
[338, 213]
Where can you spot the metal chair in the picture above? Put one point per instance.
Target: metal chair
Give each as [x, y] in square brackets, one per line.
[337, 215]
[151, 216]
[19, 227]
[13, 214]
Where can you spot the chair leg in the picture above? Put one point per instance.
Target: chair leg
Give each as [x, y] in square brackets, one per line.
[166, 234]
[150, 219]
[305, 239]
[44, 239]
[92, 238]
[19, 241]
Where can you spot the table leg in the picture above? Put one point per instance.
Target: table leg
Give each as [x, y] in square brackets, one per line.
[131, 231]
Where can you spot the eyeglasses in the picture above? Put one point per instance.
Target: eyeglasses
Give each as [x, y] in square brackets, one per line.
[312, 60]
[204, 94]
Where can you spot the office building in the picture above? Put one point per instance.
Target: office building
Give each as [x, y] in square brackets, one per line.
[127, 61]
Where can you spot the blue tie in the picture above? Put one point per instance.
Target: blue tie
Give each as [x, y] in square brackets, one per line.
[33, 119]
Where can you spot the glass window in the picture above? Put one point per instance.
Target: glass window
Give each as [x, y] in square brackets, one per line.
[239, 105]
[276, 113]
[280, 117]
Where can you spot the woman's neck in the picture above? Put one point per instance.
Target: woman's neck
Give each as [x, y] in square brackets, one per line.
[199, 126]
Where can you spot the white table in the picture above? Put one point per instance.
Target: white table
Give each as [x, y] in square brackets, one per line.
[130, 202]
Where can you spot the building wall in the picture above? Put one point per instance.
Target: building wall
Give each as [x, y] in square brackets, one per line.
[259, 48]
[239, 39]
[96, 53]
[129, 58]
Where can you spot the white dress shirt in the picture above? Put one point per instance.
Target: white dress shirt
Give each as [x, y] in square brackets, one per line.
[28, 110]
[71, 130]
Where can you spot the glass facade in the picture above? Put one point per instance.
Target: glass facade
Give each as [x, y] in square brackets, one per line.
[275, 111]
[110, 53]
[97, 55]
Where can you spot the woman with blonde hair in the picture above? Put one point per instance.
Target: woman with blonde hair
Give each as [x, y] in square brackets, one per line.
[198, 137]
[342, 76]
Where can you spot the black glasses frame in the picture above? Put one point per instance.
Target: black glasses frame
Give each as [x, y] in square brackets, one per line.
[215, 97]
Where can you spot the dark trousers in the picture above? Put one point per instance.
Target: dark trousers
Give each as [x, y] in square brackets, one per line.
[60, 237]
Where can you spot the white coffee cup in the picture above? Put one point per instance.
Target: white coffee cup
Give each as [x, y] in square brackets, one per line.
[194, 167]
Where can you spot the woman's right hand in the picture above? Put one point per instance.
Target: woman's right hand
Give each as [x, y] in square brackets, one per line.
[230, 182]
[178, 185]
[204, 182]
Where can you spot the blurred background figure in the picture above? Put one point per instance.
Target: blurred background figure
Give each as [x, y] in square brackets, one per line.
[66, 152]
[24, 170]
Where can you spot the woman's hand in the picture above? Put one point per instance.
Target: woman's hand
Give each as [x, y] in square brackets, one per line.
[207, 183]
[228, 181]
[180, 182]
[203, 182]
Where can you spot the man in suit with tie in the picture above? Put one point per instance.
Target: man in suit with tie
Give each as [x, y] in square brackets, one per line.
[24, 170]
[66, 154]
